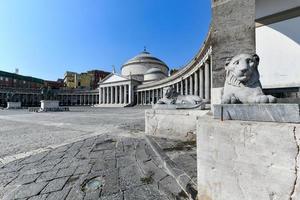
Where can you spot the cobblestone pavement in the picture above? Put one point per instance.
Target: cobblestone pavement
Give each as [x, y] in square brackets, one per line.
[102, 167]
[182, 153]
[22, 132]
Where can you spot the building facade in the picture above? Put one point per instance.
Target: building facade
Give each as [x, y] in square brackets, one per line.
[87, 80]
[12, 80]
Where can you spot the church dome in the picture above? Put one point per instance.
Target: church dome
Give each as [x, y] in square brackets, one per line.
[140, 64]
[154, 74]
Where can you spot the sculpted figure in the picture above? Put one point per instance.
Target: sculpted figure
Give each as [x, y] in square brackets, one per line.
[242, 83]
[174, 100]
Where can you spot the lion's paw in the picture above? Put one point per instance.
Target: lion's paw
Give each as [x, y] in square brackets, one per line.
[265, 99]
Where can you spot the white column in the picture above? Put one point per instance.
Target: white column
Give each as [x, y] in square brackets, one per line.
[130, 93]
[196, 83]
[121, 94]
[201, 83]
[181, 87]
[191, 84]
[112, 95]
[125, 94]
[103, 96]
[107, 95]
[186, 86]
[207, 81]
[116, 94]
[156, 95]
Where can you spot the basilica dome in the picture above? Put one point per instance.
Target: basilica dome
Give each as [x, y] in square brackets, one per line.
[140, 64]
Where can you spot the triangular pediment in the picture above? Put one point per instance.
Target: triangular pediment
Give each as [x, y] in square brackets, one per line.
[114, 78]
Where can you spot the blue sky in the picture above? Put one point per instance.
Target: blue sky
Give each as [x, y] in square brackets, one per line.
[45, 38]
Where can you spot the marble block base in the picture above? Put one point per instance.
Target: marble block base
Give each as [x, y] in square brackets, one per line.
[247, 161]
[51, 105]
[13, 105]
[174, 124]
[287, 113]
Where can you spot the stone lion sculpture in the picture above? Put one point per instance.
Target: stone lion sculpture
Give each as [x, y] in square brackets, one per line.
[242, 83]
[173, 100]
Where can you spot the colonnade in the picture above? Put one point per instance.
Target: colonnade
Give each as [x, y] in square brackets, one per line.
[197, 82]
[66, 99]
[119, 94]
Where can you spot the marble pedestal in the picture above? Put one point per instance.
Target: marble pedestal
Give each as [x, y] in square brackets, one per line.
[174, 124]
[286, 113]
[13, 105]
[51, 105]
[247, 160]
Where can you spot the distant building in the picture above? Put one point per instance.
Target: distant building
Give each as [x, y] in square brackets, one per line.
[54, 84]
[86, 80]
[12, 80]
[96, 77]
[71, 79]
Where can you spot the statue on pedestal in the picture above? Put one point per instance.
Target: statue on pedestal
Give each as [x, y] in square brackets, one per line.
[173, 100]
[242, 83]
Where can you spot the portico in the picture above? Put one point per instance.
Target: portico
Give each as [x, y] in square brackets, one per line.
[116, 91]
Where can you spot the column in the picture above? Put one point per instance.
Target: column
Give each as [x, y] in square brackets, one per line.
[111, 95]
[121, 94]
[116, 94]
[191, 84]
[157, 97]
[196, 83]
[138, 98]
[107, 95]
[207, 81]
[181, 87]
[125, 94]
[177, 87]
[201, 82]
[186, 88]
[102, 97]
[129, 93]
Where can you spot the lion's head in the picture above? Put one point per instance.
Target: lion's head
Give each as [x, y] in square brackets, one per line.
[242, 69]
[170, 92]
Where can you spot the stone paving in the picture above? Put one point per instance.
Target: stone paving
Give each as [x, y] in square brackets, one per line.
[101, 167]
[182, 153]
[22, 132]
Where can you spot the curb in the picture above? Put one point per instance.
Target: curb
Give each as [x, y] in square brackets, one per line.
[184, 181]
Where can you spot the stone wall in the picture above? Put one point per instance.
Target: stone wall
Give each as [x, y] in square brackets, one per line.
[174, 124]
[247, 160]
[233, 32]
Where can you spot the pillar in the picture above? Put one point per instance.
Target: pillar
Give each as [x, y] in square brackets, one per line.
[121, 94]
[116, 94]
[107, 95]
[207, 81]
[129, 94]
[191, 85]
[186, 86]
[181, 87]
[201, 82]
[125, 94]
[111, 95]
[196, 91]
